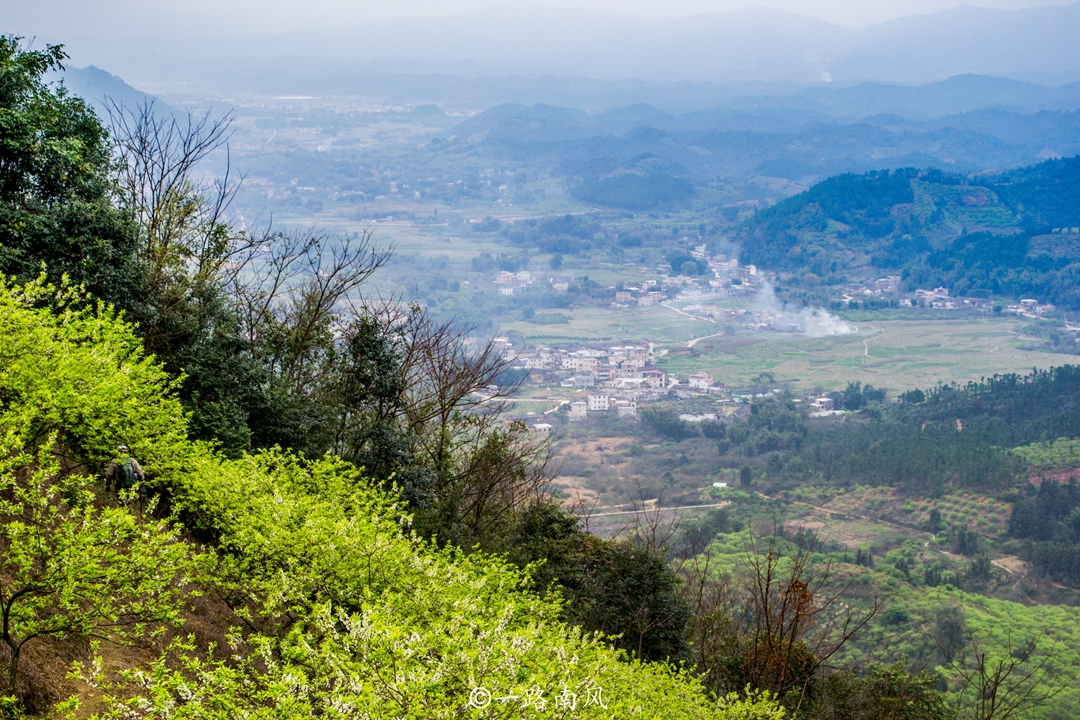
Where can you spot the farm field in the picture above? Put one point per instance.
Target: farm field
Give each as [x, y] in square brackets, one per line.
[658, 324]
[898, 355]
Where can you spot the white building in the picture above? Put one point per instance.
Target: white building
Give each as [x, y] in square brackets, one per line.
[578, 411]
[598, 403]
[700, 380]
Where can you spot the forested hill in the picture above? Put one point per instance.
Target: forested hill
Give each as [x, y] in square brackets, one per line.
[1012, 233]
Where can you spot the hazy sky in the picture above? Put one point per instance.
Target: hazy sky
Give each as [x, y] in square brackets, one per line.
[52, 20]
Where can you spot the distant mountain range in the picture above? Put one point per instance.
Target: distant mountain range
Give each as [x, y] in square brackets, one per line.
[756, 45]
[790, 138]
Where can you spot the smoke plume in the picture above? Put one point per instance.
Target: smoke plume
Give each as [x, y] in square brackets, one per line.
[811, 321]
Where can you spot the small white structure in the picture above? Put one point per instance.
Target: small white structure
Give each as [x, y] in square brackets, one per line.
[720, 485]
[598, 403]
[822, 404]
[578, 411]
[700, 380]
[541, 428]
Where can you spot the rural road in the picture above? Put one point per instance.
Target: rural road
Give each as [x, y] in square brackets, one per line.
[695, 341]
[657, 509]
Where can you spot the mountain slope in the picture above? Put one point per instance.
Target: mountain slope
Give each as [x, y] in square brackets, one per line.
[1009, 233]
[99, 88]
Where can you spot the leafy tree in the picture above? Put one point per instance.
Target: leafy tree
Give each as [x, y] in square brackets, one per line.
[980, 568]
[950, 629]
[57, 189]
[967, 541]
[933, 521]
[853, 396]
[623, 588]
[884, 692]
[666, 422]
[772, 626]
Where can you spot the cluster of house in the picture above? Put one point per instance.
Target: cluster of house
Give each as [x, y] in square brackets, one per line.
[603, 403]
[938, 298]
[645, 294]
[619, 366]
[753, 319]
[1030, 308]
[509, 282]
[727, 279]
[623, 401]
[620, 376]
[560, 283]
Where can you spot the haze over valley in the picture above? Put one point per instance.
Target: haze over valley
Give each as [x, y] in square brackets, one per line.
[465, 360]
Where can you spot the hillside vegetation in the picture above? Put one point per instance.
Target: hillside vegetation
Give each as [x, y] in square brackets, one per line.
[334, 607]
[1007, 234]
[333, 514]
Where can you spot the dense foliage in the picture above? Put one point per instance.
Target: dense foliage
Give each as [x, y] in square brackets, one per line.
[635, 192]
[948, 437]
[336, 607]
[1000, 235]
[56, 185]
[1049, 519]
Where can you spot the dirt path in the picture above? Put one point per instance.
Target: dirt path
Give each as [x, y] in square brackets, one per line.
[695, 341]
[659, 508]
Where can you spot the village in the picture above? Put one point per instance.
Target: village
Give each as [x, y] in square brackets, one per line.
[614, 381]
[576, 381]
[713, 295]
